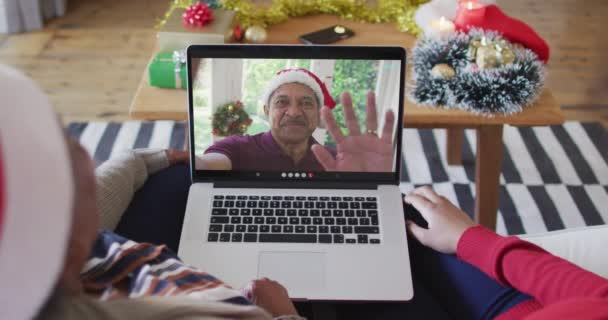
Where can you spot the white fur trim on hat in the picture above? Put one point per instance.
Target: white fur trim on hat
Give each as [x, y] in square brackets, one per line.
[39, 197]
[291, 76]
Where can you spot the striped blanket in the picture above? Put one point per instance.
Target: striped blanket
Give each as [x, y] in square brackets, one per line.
[552, 177]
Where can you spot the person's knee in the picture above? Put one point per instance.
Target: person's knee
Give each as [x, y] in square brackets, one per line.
[173, 178]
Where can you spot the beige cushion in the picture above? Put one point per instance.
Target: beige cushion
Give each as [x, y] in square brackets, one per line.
[585, 246]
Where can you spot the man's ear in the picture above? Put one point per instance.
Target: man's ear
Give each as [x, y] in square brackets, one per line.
[266, 111]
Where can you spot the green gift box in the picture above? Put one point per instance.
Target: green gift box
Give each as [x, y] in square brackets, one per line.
[168, 70]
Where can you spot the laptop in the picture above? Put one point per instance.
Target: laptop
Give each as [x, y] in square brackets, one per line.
[288, 186]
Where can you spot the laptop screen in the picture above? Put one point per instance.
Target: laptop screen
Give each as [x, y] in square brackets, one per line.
[295, 113]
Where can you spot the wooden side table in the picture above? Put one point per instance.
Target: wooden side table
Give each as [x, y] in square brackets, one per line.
[151, 103]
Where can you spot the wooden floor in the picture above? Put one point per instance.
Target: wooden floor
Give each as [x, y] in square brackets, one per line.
[90, 61]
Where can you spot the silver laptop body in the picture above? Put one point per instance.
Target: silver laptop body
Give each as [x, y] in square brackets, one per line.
[311, 265]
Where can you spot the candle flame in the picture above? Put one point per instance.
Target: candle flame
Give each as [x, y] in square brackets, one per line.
[470, 5]
[442, 25]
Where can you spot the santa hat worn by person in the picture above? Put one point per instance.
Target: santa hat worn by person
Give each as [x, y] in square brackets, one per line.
[36, 196]
[302, 76]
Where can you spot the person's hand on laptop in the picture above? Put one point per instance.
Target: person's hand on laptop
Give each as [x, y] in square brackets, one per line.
[270, 296]
[358, 152]
[446, 223]
[177, 156]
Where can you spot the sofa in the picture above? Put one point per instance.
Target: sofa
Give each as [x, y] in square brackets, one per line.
[584, 246]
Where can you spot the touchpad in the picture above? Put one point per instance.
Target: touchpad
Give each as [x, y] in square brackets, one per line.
[300, 272]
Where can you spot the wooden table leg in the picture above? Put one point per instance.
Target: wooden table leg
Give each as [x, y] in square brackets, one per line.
[487, 175]
[454, 145]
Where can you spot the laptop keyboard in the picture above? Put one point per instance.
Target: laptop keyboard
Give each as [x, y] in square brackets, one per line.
[291, 219]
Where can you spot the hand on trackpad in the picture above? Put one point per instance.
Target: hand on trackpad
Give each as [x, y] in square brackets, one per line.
[302, 273]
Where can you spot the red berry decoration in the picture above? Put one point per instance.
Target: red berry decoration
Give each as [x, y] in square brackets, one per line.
[237, 33]
[197, 15]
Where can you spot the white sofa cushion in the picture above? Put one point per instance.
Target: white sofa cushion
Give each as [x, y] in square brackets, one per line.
[586, 247]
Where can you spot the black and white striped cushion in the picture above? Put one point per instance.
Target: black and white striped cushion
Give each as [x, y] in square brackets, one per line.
[552, 177]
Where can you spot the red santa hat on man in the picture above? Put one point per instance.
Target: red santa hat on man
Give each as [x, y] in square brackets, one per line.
[302, 76]
[36, 197]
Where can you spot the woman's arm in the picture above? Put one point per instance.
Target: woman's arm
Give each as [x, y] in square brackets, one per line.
[528, 268]
[510, 260]
[119, 178]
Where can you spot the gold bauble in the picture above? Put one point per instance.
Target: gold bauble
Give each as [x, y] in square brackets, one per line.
[490, 53]
[256, 34]
[486, 58]
[443, 71]
[230, 108]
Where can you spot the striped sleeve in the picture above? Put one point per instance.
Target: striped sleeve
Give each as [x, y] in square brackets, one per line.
[119, 268]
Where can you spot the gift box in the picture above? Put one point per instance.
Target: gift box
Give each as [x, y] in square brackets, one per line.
[174, 35]
[168, 70]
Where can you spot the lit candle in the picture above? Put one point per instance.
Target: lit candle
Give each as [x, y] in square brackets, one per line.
[470, 12]
[470, 5]
[441, 28]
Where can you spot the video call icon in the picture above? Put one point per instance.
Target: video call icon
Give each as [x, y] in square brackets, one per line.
[302, 175]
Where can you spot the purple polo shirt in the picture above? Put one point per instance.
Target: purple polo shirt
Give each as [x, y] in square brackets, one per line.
[261, 153]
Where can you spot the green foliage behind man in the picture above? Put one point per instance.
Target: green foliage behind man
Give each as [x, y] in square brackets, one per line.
[357, 77]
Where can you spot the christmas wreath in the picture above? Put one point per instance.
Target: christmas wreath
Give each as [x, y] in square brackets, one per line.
[477, 71]
[229, 119]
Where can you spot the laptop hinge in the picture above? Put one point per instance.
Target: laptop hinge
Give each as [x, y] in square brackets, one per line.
[296, 185]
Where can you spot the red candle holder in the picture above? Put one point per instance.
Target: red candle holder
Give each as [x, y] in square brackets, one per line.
[470, 12]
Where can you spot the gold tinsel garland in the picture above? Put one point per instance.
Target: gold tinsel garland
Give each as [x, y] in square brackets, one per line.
[249, 14]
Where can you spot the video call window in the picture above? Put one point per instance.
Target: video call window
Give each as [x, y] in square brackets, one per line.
[288, 114]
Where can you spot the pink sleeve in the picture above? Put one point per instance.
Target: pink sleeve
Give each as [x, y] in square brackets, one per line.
[528, 268]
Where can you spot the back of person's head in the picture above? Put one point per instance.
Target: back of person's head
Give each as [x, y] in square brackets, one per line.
[36, 197]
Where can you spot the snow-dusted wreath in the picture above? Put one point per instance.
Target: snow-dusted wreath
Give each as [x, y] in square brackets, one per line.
[449, 75]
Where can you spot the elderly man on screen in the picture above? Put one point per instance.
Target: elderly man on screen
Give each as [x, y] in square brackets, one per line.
[295, 101]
